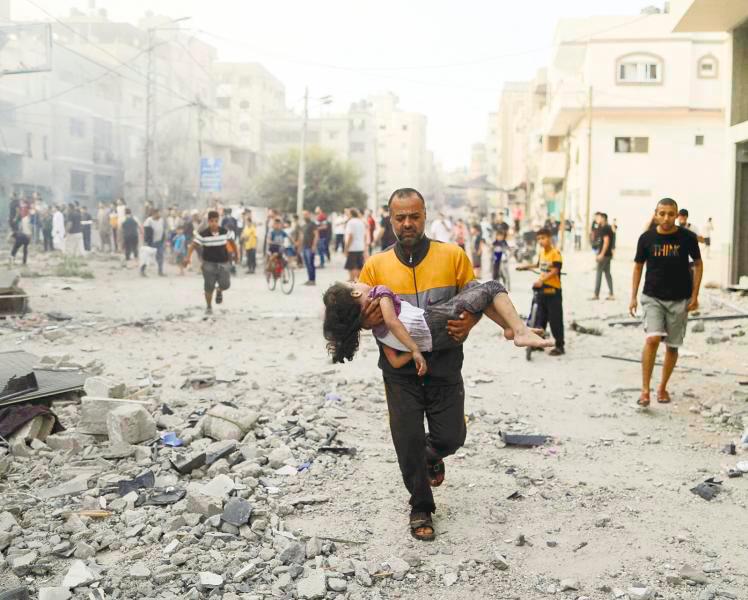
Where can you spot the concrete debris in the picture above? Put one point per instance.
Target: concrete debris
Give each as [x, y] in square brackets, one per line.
[312, 586]
[102, 387]
[94, 412]
[223, 422]
[79, 574]
[130, 425]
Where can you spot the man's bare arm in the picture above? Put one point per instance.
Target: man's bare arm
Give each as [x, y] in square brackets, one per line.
[635, 281]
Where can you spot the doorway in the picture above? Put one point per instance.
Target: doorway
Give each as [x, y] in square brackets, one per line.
[740, 232]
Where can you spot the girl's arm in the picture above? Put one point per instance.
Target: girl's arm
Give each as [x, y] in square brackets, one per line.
[397, 359]
[398, 330]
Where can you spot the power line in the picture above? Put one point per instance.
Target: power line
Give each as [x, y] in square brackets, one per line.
[102, 49]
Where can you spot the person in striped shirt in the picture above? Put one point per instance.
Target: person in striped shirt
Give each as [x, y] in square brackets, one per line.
[218, 248]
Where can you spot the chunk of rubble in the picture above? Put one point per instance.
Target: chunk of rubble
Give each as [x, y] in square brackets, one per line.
[130, 425]
[79, 574]
[224, 422]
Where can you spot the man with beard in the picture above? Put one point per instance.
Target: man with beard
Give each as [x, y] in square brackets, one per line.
[424, 273]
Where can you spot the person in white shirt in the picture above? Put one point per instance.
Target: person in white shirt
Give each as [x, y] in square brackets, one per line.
[441, 229]
[338, 230]
[355, 244]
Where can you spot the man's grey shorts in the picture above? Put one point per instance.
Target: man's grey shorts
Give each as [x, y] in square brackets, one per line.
[665, 318]
[216, 273]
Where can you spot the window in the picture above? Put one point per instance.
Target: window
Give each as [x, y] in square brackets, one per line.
[45, 154]
[405, 128]
[699, 140]
[245, 80]
[77, 128]
[137, 102]
[707, 67]
[332, 135]
[624, 145]
[244, 127]
[244, 105]
[357, 147]
[29, 139]
[223, 102]
[78, 182]
[639, 68]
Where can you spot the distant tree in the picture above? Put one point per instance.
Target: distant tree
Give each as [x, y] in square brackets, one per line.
[331, 184]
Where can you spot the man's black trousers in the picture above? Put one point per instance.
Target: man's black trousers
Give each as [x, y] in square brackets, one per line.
[551, 310]
[443, 406]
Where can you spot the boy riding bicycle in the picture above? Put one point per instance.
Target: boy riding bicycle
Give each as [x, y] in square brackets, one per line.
[276, 241]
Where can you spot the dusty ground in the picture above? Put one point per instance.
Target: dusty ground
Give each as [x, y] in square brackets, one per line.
[616, 479]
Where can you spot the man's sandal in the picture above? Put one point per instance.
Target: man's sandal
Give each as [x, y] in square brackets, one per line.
[663, 397]
[422, 527]
[436, 472]
[643, 399]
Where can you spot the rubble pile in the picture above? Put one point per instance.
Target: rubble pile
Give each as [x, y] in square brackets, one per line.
[141, 500]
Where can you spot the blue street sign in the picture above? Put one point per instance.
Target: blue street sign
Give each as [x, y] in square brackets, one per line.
[210, 174]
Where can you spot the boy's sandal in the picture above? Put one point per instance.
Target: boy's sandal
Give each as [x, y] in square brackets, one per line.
[436, 472]
[643, 399]
[422, 527]
[663, 397]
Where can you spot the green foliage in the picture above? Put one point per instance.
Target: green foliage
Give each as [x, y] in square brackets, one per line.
[330, 183]
[73, 267]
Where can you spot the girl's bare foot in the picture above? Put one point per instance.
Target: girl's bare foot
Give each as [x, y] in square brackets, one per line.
[509, 333]
[528, 338]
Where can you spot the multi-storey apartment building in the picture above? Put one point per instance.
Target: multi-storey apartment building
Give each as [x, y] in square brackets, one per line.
[655, 102]
[730, 17]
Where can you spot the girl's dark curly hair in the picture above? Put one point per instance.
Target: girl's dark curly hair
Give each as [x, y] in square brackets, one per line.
[342, 324]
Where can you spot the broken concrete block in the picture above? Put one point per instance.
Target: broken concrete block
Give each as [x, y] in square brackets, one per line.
[77, 485]
[54, 593]
[102, 387]
[94, 412]
[69, 440]
[218, 487]
[312, 587]
[237, 512]
[130, 424]
[226, 423]
[21, 564]
[200, 504]
[7, 521]
[78, 575]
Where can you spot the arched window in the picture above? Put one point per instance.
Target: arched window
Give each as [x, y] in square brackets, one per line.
[641, 68]
[708, 67]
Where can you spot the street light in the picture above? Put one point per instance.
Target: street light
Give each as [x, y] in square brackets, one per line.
[301, 182]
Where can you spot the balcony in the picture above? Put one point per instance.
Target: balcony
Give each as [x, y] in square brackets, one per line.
[552, 166]
[567, 104]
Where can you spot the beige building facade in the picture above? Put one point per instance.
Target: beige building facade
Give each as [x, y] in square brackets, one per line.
[655, 102]
[730, 17]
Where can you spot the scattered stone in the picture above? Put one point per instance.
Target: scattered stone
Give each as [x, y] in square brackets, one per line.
[130, 425]
[569, 585]
[236, 512]
[640, 592]
[223, 422]
[102, 387]
[337, 585]
[21, 564]
[450, 579]
[294, 553]
[690, 574]
[140, 571]
[54, 593]
[500, 562]
[210, 580]
[79, 575]
[398, 567]
[312, 587]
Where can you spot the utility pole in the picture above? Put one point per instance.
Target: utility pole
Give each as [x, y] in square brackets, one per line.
[589, 169]
[148, 99]
[564, 206]
[302, 158]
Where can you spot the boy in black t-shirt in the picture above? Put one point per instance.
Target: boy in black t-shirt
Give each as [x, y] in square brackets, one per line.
[218, 248]
[670, 291]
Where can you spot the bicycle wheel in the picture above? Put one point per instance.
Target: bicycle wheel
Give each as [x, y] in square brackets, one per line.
[271, 280]
[287, 279]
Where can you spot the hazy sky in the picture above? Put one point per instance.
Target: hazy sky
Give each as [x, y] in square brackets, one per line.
[444, 58]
